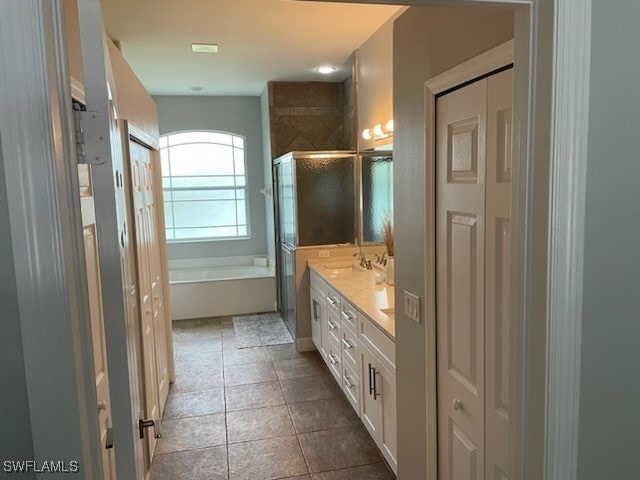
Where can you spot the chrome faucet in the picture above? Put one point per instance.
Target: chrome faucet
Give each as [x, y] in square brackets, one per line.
[364, 263]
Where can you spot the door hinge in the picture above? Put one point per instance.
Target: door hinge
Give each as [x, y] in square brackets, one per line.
[87, 128]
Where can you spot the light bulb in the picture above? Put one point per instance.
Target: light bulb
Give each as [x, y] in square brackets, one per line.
[366, 134]
[377, 131]
[389, 126]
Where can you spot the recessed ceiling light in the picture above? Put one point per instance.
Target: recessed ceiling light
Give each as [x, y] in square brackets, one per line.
[204, 47]
[326, 69]
[196, 89]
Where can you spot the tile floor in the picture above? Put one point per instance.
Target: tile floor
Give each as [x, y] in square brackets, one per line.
[257, 414]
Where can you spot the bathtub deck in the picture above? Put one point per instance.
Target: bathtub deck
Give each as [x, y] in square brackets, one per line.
[218, 286]
[220, 273]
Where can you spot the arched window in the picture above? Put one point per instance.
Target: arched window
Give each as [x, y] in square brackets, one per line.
[204, 182]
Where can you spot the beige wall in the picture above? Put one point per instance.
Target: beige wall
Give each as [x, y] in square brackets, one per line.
[375, 83]
[427, 42]
[134, 103]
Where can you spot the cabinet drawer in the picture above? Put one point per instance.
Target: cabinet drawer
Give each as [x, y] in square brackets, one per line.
[351, 387]
[333, 299]
[349, 341]
[318, 284]
[380, 345]
[334, 362]
[348, 315]
[333, 327]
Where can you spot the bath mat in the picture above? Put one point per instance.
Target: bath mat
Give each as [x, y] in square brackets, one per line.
[259, 330]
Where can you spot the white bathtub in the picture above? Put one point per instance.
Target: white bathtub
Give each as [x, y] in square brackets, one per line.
[211, 287]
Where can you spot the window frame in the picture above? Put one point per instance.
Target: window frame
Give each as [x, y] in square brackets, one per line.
[164, 144]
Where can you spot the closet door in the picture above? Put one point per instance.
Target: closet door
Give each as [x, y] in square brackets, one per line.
[156, 270]
[473, 193]
[460, 222]
[144, 255]
[498, 254]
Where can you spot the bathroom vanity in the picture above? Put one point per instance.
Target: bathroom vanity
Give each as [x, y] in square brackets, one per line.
[353, 328]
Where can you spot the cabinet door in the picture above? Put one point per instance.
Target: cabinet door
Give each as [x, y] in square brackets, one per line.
[386, 392]
[317, 309]
[369, 404]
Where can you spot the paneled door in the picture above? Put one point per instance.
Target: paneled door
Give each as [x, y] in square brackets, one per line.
[473, 152]
[142, 195]
[103, 407]
[497, 277]
[155, 270]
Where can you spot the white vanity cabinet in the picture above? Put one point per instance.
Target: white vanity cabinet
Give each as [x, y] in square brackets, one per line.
[361, 357]
[378, 394]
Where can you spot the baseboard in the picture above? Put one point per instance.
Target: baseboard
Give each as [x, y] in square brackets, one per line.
[305, 344]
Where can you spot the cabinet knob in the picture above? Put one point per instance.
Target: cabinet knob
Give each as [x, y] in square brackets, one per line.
[457, 404]
[102, 405]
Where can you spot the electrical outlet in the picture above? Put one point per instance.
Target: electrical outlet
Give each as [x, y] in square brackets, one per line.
[324, 254]
[412, 306]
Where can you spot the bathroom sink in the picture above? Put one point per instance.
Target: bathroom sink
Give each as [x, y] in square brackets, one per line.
[342, 268]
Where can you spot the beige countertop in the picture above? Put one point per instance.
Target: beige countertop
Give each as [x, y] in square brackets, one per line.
[360, 288]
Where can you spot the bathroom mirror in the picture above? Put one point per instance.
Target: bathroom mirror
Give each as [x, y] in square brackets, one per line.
[376, 194]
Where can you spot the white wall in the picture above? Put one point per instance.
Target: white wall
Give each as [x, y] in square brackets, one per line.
[610, 371]
[268, 174]
[427, 42]
[240, 115]
[15, 435]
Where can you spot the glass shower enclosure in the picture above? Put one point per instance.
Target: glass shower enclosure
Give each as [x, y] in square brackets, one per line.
[315, 202]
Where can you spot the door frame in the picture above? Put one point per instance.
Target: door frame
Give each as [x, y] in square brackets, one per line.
[557, 97]
[548, 306]
[490, 61]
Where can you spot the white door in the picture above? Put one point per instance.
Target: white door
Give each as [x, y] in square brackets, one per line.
[103, 408]
[497, 267]
[472, 242]
[143, 251]
[159, 320]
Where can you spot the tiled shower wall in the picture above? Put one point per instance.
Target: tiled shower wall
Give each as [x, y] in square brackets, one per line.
[307, 116]
[349, 112]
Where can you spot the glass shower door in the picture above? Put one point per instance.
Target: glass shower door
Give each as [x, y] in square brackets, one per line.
[325, 187]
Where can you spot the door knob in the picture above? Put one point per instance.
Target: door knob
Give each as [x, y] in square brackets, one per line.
[457, 404]
[102, 405]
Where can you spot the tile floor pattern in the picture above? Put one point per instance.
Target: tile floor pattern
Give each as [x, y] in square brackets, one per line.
[257, 414]
[260, 329]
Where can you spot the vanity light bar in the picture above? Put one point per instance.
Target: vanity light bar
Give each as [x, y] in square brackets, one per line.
[379, 132]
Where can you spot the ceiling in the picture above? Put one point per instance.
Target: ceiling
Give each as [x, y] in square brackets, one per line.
[259, 41]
